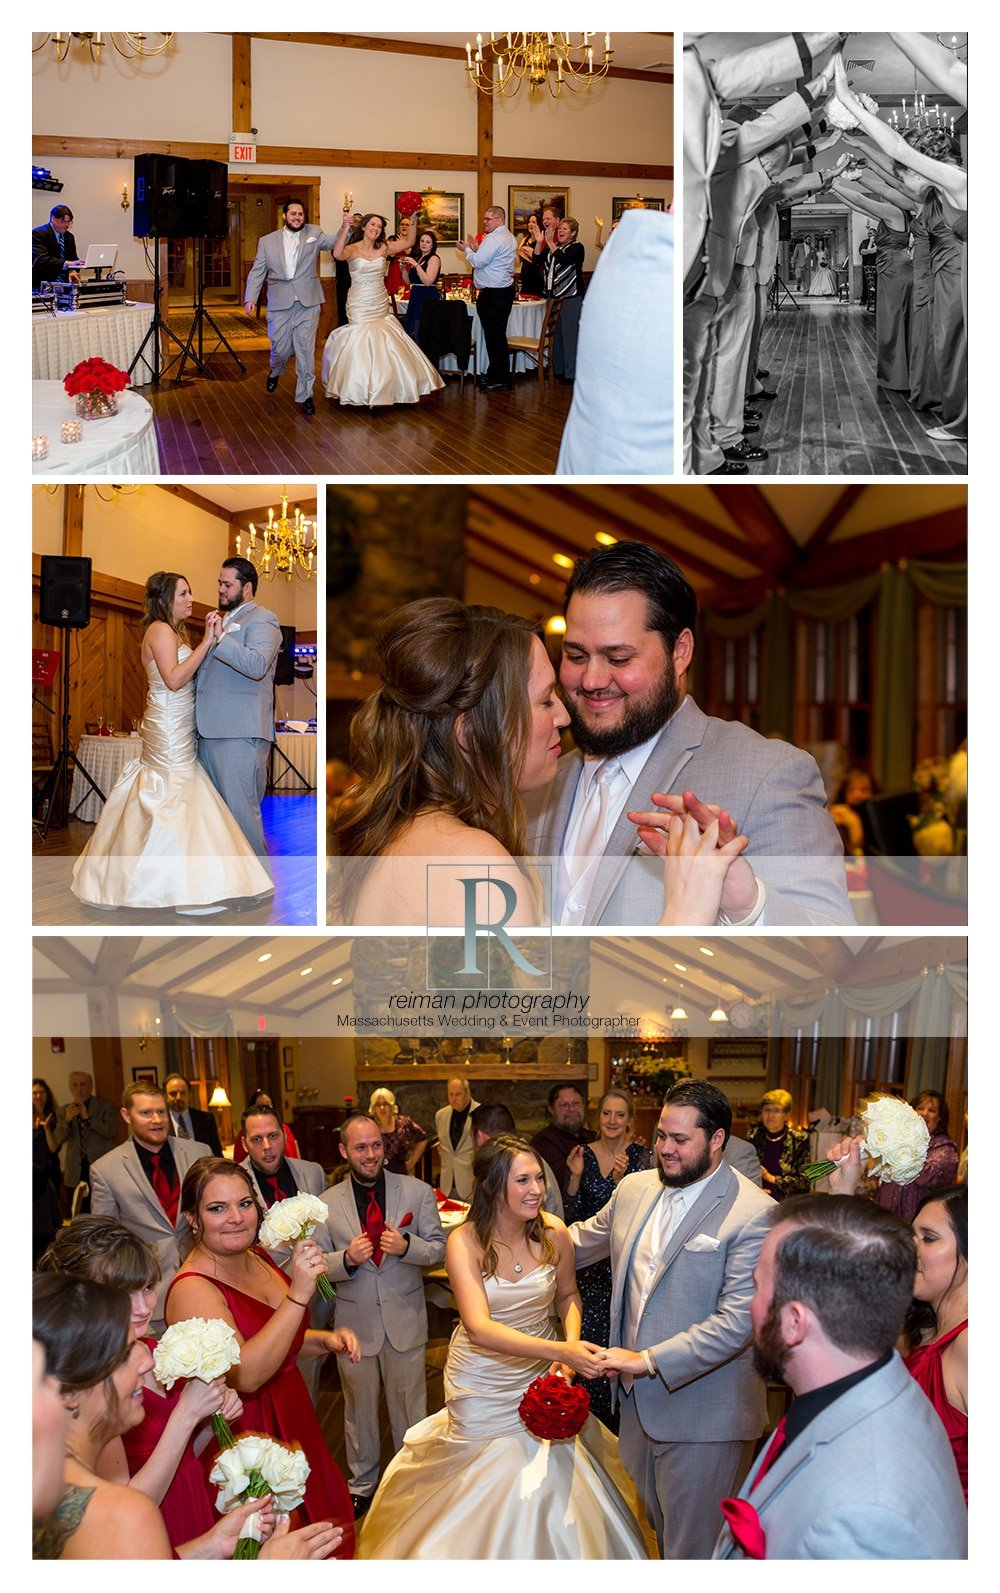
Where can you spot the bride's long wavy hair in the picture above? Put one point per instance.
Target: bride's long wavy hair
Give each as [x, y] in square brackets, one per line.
[491, 1167]
[359, 231]
[159, 602]
[446, 731]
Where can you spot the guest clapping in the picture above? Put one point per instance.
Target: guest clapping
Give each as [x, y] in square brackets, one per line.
[421, 269]
[563, 265]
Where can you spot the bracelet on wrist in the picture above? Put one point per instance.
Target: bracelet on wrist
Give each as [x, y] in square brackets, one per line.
[303, 1305]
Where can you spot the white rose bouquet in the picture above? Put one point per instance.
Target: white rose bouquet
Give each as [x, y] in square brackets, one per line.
[838, 115]
[253, 1467]
[293, 1219]
[895, 1143]
[202, 1348]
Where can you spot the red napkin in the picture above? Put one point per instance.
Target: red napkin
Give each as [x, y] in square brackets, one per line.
[744, 1524]
[444, 1204]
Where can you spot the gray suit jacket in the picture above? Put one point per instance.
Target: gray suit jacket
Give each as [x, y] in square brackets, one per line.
[385, 1302]
[310, 1179]
[119, 1188]
[269, 266]
[741, 1156]
[455, 1163]
[696, 1323]
[774, 793]
[234, 688]
[871, 1478]
[101, 1136]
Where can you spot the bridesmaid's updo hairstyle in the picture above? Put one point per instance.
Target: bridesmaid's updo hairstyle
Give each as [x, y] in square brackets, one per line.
[82, 1326]
[447, 730]
[936, 143]
[200, 1174]
[491, 1167]
[103, 1251]
[159, 601]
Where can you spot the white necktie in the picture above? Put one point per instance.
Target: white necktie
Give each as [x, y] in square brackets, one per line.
[592, 831]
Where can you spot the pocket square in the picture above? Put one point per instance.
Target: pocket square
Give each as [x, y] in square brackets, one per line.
[230, 629]
[702, 1242]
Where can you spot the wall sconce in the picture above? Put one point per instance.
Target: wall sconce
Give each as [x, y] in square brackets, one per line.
[125, 203]
[145, 1038]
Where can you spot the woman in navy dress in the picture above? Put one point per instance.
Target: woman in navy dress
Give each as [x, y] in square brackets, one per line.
[421, 269]
[594, 1172]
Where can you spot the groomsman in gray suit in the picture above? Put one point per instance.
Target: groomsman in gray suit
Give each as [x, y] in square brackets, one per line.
[683, 1241]
[861, 1467]
[234, 700]
[628, 646]
[384, 1230]
[139, 1183]
[288, 261]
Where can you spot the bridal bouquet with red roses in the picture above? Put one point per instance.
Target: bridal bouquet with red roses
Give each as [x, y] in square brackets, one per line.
[553, 1408]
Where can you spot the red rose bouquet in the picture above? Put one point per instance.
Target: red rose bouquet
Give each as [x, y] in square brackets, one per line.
[409, 203]
[553, 1408]
[95, 385]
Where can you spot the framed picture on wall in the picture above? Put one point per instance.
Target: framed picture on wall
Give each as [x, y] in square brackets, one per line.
[524, 202]
[443, 213]
[145, 1076]
[289, 1083]
[636, 202]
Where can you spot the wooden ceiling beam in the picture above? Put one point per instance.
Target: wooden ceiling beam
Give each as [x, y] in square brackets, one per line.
[833, 518]
[745, 552]
[631, 531]
[496, 573]
[753, 514]
[941, 535]
[70, 962]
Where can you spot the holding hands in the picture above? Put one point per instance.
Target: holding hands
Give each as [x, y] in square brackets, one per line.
[704, 873]
[580, 1359]
[213, 625]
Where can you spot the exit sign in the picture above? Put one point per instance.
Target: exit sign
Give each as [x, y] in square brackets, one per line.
[242, 149]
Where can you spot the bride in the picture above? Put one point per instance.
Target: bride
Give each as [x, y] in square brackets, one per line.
[472, 1481]
[371, 361]
[466, 720]
[165, 838]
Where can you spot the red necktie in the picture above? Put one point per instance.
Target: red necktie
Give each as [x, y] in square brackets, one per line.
[772, 1452]
[276, 1192]
[375, 1227]
[741, 1517]
[167, 1197]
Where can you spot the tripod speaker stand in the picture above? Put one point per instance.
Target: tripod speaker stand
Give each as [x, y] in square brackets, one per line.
[201, 319]
[56, 793]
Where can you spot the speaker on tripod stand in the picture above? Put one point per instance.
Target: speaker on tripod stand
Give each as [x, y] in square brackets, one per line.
[208, 216]
[64, 603]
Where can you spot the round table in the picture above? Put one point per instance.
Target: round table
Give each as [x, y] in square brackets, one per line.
[124, 443]
[104, 758]
[299, 748]
[115, 332]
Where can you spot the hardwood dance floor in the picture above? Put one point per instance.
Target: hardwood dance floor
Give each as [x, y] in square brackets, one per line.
[829, 418]
[290, 829]
[231, 427]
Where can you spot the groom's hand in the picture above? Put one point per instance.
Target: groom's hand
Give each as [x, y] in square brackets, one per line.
[739, 893]
[251, 310]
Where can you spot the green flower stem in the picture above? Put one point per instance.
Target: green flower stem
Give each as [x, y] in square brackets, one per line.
[817, 1170]
[326, 1288]
[223, 1432]
[249, 1548]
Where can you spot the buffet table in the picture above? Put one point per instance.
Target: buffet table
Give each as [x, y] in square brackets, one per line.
[122, 445]
[60, 341]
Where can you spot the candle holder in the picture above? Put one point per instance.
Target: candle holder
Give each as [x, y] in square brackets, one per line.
[39, 447]
[71, 431]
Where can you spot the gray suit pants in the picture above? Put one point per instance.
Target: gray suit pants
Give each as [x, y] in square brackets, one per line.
[681, 1483]
[403, 1377]
[293, 333]
[237, 767]
[700, 453]
[730, 357]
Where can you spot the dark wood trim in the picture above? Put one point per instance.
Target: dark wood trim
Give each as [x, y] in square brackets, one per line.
[242, 84]
[833, 517]
[73, 521]
[442, 52]
[188, 495]
[484, 161]
[583, 168]
[764, 531]
[535, 592]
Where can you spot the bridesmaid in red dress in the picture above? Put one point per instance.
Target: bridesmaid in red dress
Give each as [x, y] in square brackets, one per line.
[228, 1277]
[938, 1325]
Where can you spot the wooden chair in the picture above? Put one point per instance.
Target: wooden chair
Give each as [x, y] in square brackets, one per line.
[543, 345]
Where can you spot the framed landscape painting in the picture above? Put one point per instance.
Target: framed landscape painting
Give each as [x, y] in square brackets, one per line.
[443, 213]
[523, 202]
[635, 202]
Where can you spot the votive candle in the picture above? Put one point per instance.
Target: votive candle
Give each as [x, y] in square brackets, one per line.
[39, 447]
[71, 431]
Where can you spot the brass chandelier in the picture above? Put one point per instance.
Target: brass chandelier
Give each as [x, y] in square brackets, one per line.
[129, 45]
[282, 547]
[542, 60]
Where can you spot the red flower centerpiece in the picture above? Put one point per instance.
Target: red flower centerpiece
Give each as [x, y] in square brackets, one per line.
[95, 385]
[553, 1408]
[409, 203]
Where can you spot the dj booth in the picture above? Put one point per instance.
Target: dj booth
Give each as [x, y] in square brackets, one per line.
[74, 327]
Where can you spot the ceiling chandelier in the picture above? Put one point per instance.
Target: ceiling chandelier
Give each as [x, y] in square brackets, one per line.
[919, 115]
[282, 547]
[129, 45]
[541, 59]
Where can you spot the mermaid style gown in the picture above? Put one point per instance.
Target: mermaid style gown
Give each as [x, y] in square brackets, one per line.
[165, 838]
[822, 283]
[471, 1483]
[371, 361]
[892, 308]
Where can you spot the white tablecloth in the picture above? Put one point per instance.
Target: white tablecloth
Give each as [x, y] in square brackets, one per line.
[104, 758]
[60, 341]
[525, 321]
[300, 750]
[123, 444]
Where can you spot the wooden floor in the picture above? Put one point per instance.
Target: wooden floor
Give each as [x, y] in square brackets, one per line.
[290, 829]
[829, 418]
[230, 426]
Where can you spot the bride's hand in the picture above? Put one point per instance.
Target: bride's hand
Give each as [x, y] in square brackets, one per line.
[560, 1369]
[582, 1358]
[695, 869]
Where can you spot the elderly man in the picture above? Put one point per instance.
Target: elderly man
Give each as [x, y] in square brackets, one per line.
[455, 1142]
[384, 1230]
[861, 1467]
[567, 1130]
[683, 1241]
[492, 263]
[644, 745]
[88, 1127]
[186, 1121]
[491, 1119]
[139, 1183]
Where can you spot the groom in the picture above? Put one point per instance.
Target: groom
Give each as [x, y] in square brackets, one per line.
[234, 700]
[288, 260]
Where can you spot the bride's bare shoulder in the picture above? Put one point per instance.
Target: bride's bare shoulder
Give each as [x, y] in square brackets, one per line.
[439, 834]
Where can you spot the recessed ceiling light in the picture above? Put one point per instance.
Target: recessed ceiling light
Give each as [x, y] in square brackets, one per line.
[304, 971]
[706, 951]
[265, 956]
[556, 625]
[533, 580]
[681, 967]
[605, 539]
[563, 560]
[337, 981]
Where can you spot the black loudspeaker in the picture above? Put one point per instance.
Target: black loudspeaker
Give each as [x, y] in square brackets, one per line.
[64, 597]
[161, 197]
[784, 226]
[284, 674]
[208, 192]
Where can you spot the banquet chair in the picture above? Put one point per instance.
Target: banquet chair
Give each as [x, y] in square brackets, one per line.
[446, 328]
[543, 345]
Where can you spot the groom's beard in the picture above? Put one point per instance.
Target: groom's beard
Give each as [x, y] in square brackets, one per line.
[642, 718]
[295, 226]
[227, 604]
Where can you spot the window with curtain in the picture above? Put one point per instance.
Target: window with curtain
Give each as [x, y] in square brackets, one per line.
[942, 680]
[839, 675]
[732, 677]
[877, 1051]
[799, 1060]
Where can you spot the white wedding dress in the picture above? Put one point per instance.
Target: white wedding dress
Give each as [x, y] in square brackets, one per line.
[471, 1483]
[165, 838]
[371, 361]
